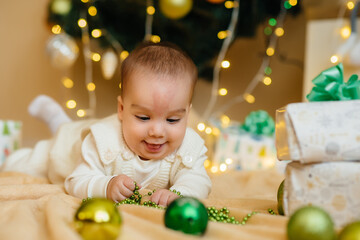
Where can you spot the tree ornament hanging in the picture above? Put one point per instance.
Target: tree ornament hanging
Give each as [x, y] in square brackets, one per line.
[187, 215]
[175, 9]
[310, 223]
[98, 219]
[216, 1]
[109, 63]
[62, 50]
[60, 7]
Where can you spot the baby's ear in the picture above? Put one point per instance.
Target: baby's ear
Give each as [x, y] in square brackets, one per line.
[120, 109]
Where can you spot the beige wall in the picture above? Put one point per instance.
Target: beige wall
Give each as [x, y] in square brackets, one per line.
[25, 71]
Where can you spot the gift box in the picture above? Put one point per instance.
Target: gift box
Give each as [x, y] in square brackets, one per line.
[10, 138]
[319, 131]
[247, 146]
[333, 186]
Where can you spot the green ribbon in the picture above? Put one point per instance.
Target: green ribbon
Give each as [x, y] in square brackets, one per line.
[259, 123]
[329, 86]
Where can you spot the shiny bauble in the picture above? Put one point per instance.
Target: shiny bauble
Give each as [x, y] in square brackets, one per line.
[280, 198]
[98, 219]
[310, 223]
[60, 7]
[350, 232]
[175, 9]
[109, 63]
[187, 215]
[216, 1]
[63, 50]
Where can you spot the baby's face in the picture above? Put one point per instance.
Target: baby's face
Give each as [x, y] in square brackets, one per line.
[154, 113]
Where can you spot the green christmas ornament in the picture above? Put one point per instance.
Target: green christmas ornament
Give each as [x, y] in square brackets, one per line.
[310, 223]
[98, 219]
[350, 232]
[280, 198]
[187, 215]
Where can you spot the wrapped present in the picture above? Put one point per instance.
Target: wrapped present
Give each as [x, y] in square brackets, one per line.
[10, 138]
[333, 186]
[323, 131]
[247, 146]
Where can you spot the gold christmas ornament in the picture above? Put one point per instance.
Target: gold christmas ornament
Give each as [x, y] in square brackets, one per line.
[63, 50]
[98, 219]
[175, 9]
[109, 64]
[350, 232]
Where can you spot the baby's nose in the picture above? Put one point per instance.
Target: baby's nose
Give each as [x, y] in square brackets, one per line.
[157, 130]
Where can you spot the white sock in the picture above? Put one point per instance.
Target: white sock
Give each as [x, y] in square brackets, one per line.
[49, 111]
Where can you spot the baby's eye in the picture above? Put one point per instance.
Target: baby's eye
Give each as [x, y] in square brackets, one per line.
[173, 120]
[143, 118]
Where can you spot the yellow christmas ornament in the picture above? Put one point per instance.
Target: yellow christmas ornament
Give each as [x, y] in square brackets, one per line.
[350, 232]
[175, 9]
[98, 219]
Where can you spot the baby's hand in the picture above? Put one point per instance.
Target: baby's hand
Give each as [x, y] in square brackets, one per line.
[120, 187]
[163, 197]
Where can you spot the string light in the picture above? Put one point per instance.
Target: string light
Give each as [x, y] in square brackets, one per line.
[67, 82]
[71, 104]
[96, 33]
[155, 38]
[272, 22]
[334, 59]
[350, 5]
[249, 98]
[208, 130]
[279, 31]
[81, 113]
[225, 121]
[267, 31]
[216, 132]
[223, 167]
[201, 127]
[293, 2]
[150, 10]
[56, 29]
[95, 57]
[222, 34]
[92, 11]
[287, 5]
[207, 163]
[229, 4]
[225, 64]
[228, 161]
[268, 70]
[120, 85]
[82, 22]
[223, 91]
[267, 80]
[91, 87]
[345, 32]
[270, 51]
[124, 54]
[214, 169]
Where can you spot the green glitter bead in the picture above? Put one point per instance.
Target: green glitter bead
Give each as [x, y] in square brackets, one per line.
[188, 215]
[310, 223]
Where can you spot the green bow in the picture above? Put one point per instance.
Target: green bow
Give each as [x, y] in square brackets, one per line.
[329, 86]
[259, 123]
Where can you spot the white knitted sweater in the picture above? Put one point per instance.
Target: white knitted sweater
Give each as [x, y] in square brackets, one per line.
[183, 170]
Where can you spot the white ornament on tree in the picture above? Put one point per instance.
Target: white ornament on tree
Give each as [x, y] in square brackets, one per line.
[109, 64]
[63, 50]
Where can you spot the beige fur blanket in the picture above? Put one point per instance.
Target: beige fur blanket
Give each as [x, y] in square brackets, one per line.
[33, 209]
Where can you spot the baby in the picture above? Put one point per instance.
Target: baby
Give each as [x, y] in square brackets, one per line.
[147, 142]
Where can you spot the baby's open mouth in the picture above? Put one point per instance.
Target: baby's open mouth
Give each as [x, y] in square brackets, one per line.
[153, 147]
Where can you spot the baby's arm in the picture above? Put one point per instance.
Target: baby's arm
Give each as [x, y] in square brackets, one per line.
[193, 181]
[89, 179]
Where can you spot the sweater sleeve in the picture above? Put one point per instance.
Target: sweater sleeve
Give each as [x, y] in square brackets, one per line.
[194, 181]
[89, 178]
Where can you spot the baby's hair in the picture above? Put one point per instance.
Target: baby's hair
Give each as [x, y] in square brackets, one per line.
[160, 58]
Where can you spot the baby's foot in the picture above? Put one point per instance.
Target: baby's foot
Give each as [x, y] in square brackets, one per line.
[49, 111]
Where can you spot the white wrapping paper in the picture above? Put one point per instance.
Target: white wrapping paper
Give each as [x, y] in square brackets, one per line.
[333, 186]
[318, 131]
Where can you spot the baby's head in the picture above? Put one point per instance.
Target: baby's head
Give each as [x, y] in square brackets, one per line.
[158, 81]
